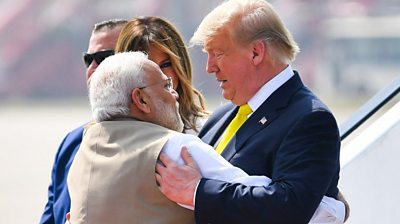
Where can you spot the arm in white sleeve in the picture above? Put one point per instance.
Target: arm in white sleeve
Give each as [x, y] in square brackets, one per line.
[214, 166]
[211, 164]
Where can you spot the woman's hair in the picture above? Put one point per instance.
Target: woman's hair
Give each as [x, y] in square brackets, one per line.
[139, 33]
[249, 20]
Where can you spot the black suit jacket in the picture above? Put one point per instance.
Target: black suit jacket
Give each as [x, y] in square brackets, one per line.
[292, 138]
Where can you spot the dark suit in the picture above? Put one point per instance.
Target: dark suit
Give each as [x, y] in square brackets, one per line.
[58, 203]
[297, 146]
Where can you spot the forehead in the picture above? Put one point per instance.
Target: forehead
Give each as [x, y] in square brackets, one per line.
[220, 41]
[156, 54]
[103, 40]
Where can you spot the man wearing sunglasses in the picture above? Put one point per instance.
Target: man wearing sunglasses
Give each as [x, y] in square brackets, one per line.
[98, 57]
[101, 44]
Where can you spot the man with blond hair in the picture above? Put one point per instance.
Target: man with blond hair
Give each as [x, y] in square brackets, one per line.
[274, 126]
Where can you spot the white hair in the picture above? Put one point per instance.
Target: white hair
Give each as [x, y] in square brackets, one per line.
[249, 20]
[112, 83]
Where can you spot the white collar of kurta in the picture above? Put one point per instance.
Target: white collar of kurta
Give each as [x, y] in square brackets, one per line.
[270, 87]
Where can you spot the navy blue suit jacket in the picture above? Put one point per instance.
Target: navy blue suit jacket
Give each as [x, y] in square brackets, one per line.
[59, 202]
[292, 138]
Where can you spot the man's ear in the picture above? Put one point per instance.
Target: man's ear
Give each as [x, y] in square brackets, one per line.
[258, 49]
[140, 99]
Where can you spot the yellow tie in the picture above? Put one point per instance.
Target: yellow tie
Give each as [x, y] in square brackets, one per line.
[235, 124]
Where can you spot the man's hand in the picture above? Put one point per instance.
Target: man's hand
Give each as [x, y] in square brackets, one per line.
[178, 183]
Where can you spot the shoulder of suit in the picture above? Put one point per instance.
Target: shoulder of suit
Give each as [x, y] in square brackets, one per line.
[77, 131]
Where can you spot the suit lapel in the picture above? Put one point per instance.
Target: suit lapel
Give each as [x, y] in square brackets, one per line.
[269, 110]
[212, 136]
[259, 120]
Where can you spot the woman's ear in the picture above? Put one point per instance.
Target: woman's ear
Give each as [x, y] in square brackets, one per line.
[258, 49]
[140, 99]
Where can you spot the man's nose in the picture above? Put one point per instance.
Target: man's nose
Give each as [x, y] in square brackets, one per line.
[91, 69]
[211, 66]
[89, 72]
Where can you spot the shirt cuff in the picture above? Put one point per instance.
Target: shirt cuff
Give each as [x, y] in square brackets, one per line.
[191, 207]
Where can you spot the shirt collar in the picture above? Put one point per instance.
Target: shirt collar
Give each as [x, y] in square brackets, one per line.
[270, 87]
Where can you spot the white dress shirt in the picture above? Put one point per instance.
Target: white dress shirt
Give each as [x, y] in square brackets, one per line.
[269, 88]
[214, 166]
[266, 90]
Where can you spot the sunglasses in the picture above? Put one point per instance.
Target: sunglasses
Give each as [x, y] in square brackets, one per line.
[97, 56]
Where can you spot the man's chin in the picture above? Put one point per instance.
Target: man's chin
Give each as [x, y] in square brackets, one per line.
[175, 125]
[227, 95]
[178, 127]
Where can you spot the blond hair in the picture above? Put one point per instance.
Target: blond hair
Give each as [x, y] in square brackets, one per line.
[247, 21]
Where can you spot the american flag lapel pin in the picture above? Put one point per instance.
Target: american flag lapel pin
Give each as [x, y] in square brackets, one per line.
[263, 120]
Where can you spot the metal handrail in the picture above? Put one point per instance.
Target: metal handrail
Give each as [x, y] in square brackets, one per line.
[369, 108]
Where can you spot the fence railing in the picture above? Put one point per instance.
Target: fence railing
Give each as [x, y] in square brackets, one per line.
[369, 108]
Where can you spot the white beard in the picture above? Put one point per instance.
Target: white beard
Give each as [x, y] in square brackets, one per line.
[168, 116]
